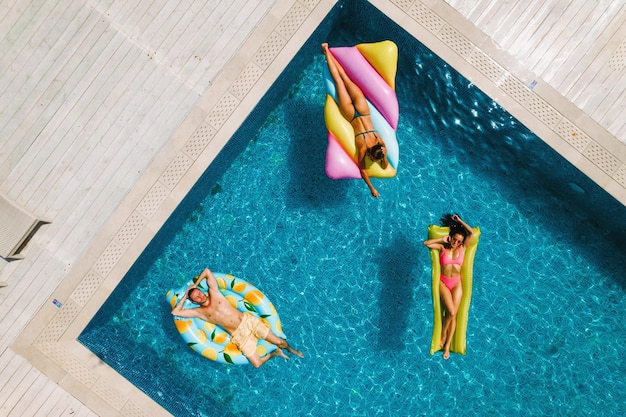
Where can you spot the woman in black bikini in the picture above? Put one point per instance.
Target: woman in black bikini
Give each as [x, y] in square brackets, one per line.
[354, 108]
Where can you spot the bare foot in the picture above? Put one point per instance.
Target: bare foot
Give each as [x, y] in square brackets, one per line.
[324, 48]
[279, 352]
[446, 354]
[295, 352]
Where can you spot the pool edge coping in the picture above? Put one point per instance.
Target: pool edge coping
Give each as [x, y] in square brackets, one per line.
[49, 341]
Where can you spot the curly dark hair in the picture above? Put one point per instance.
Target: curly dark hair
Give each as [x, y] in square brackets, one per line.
[455, 227]
[376, 153]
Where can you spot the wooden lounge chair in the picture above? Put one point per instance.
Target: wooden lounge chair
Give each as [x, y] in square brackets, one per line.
[17, 227]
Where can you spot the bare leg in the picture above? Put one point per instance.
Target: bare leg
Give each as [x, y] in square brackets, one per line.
[451, 329]
[446, 297]
[258, 361]
[451, 299]
[282, 343]
[349, 94]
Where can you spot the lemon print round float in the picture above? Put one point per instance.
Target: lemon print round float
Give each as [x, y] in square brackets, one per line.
[212, 341]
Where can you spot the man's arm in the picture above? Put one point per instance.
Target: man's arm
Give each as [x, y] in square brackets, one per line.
[210, 280]
[179, 311]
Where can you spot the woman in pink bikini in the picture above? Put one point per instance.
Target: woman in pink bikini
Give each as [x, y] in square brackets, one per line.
[452, 253]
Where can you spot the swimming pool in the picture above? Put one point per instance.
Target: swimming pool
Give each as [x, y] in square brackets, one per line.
[351, 279]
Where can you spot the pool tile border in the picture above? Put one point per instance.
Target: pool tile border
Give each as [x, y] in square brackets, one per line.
[49, 342]
[563, 126]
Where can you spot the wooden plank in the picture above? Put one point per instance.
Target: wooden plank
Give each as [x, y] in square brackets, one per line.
[30, 17]
[16, 313]
[494, 21]
[539, 45]
[28, 50]
[102, 7]
[477, 9]
[597, 89]
[594, 59]
[114, 152]
[151, 15]
[8, 378]
[511, 22]
[578, 47]
[92, 210]
[56, 408]
[534, 28]
[166, 49]
[131, 105]
[138, 23]
[21, 387]
[607, 109]
[18, 289]
[41, 399]
[128, 21]
[201, 29]
[98, 115]
[216, 54]
[63, 404]
[556, 41]
[484, 19]
[222, 50]
[77, 113]
[36, 392]
[30, 124]
[164, 23]
[7, 368]
[77, 409]
[10, 12]
[18, 62]
[119, 11]
[14, 388]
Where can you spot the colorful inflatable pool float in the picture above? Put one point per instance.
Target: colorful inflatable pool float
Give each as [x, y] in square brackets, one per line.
[212, 341]
[458, 344]
[372, 66]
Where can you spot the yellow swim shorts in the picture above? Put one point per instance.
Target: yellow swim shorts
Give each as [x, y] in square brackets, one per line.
[248, 333]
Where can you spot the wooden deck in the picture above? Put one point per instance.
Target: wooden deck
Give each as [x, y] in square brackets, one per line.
[110, 109]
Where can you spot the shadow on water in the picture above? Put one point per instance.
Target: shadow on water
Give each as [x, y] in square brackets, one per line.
[308, 184]
[396, 263]
[548, 190]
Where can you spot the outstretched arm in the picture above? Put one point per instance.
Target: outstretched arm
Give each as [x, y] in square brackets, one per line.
[214, 290]
[470, 231]
[366, 178]
[364, 175]
[210, 280]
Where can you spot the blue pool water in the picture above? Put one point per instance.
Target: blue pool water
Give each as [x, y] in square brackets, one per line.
[349, 274]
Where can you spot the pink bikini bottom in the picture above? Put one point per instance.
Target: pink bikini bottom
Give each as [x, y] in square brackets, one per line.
[450, 282]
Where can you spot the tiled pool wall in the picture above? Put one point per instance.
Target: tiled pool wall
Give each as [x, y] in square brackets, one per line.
[47, 341]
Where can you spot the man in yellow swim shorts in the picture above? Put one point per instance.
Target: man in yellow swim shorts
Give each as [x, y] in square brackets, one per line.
[250, 330]
[245, 329]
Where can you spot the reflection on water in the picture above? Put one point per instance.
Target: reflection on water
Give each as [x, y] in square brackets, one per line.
[351, 278]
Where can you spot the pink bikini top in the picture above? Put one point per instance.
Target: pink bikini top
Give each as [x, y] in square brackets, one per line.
[445, 259]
